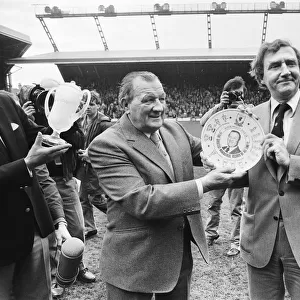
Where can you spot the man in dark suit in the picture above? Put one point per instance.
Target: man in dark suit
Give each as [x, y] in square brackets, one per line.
[25, 221]
[232, 146]
[145, 165]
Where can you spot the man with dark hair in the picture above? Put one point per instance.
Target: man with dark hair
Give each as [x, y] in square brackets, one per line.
[145, 165]
[235, 86]
[270, 239]
[93, 123]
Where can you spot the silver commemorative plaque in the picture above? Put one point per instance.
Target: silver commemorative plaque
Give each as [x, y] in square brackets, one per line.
[232, 138]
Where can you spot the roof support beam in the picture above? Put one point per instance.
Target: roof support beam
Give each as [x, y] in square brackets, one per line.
[264, 31]
[48, 34]
[209, 31]
[96, 71]
[101, 33]
[154, 32]
[80, 71]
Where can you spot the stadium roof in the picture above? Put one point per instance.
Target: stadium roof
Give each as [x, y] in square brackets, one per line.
[129, 56]
[12, 44]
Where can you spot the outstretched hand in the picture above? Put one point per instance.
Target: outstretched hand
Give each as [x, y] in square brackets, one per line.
[220, 178]
[39, 154]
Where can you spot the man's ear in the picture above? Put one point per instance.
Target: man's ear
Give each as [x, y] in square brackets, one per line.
[124, 103]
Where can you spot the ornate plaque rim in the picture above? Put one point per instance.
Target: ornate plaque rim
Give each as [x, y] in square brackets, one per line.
[232, 138]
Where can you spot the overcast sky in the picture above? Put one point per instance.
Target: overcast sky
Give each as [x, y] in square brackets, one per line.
[127, 33]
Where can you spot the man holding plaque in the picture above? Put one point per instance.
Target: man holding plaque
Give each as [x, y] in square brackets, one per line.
[25, 220]
[232, 95]
[270, 239]
[145, 166]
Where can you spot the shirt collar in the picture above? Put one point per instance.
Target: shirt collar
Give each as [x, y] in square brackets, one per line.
[293, 102]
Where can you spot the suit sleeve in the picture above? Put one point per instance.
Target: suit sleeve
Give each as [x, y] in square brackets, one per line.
[15, 172]
[293, 175]
[122, 182]
[51, 194]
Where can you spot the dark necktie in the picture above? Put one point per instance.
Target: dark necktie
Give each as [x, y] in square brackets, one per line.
[278, 125]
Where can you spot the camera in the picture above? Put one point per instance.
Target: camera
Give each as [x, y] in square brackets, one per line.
[35, 94]
[234, 97]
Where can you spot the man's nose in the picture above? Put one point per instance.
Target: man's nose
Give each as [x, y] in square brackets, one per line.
[285, 70]
[158, 106]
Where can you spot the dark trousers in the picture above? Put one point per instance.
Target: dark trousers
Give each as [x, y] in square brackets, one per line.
[181, 290]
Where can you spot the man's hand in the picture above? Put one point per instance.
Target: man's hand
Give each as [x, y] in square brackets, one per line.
[207, 164]
[39, 154]
[29, 109]
[248, 109]
[83, 155]
[219, 179]
[274, 148]
[224, 99]
[61, 234]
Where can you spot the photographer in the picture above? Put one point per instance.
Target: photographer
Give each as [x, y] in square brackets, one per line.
[232, 96]
[93, 124]
[61, 170]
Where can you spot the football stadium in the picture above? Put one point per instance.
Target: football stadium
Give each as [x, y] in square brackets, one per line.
[193, 80]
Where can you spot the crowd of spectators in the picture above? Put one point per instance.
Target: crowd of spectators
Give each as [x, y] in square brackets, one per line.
[185, 101]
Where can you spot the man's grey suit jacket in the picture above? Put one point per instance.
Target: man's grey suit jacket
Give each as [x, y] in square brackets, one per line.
[143, 244]
[270, 192]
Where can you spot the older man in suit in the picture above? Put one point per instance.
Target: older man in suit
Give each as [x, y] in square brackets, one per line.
[270, 239]
[25, 221]
[145, 166]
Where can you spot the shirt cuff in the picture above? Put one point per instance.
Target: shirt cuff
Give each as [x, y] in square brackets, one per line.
[59, 221]
[199, 187]
[29, 171]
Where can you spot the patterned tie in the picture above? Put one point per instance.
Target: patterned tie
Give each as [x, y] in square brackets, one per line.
[278, 125]
[155, 138]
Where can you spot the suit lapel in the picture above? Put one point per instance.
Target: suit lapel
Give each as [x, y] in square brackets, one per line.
[294, 141]
[173, 151]
[144, 145]
[8, 136]
[264, 114]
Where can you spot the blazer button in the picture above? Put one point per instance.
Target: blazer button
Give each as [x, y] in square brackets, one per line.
[275, 218]
[27, 209]
[281, 193]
